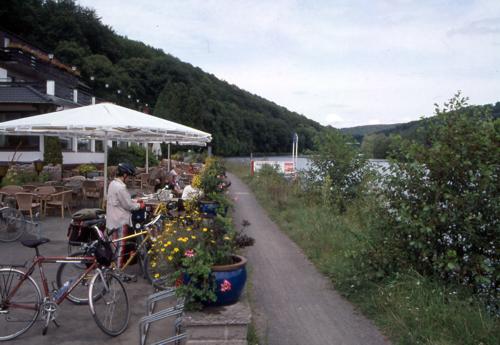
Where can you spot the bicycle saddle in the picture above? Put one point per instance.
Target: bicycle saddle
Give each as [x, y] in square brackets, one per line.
[34, 243]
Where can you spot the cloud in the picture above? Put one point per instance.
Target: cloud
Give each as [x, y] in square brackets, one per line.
[356, 62]
[487, 26]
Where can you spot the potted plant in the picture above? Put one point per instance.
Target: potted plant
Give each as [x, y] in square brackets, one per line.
[86, 169]
[212, 181]
[201, 259]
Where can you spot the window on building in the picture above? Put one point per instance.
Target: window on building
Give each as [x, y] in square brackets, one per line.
[83, 145]
[19, 143]
[66, 144]
[99, 146]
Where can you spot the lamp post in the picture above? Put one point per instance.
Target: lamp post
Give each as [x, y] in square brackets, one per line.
[38, 166]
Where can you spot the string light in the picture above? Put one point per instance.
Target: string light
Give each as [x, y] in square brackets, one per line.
[106, 85]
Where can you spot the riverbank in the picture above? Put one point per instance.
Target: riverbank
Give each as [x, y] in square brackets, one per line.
[408, 307]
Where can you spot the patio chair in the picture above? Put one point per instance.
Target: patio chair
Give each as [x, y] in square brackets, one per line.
[144, 180]
[29, 187]
[7, 195]
[91, 190]
[59, 200]
[44, 193]
[26, 203]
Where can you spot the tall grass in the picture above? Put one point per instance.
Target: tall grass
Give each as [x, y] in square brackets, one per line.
[409, 308]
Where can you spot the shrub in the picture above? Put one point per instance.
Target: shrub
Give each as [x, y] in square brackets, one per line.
[337, 167]
[52, 152]
[442, 200]
[134, 154]
[19, 178]
[84, 169]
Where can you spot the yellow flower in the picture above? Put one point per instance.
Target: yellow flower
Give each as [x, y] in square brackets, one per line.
[193, 237]
[176, 250]
[169, 243]
[226, 238]
[180, 239]
[163, 249]
[212, 241]
[153, 264]
[157, 275]
[205, 230]
[170, 258]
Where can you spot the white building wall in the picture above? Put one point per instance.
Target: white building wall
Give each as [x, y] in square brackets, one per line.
[21, 157]
[83, 157]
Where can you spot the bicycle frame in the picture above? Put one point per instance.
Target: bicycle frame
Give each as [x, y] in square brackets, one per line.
[40, 260]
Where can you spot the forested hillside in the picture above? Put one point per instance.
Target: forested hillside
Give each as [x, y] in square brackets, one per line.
[378, 144]
[240, 122]
[359, 132]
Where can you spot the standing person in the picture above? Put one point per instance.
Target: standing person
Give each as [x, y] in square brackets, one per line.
[118, 207]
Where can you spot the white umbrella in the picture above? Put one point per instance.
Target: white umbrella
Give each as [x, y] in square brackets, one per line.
[109, 122]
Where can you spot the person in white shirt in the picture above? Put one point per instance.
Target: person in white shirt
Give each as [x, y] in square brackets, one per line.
[118, 207]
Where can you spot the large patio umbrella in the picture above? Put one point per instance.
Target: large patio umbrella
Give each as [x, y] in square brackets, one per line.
[106, 121]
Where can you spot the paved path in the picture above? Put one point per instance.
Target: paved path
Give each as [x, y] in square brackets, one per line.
[293, 303]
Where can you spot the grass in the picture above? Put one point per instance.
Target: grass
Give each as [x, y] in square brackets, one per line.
[407, 307]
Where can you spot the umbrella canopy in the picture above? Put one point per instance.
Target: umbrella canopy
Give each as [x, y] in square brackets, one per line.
[106, 121]
[109, 122]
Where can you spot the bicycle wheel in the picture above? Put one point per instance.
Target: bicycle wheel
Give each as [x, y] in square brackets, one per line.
[72, 271]
[147, 270]
[110, 310]
[18, 309]
[12, 224]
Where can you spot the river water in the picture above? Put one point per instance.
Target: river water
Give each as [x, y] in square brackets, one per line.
[303, 162]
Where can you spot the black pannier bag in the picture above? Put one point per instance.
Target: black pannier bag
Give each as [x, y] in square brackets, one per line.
[79, 232]
[104, 253]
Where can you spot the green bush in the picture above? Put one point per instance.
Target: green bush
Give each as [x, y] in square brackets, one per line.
[84, 169]
[134, 154]
[442, 202]
[337, 170]
[52, 152]
[17, 178]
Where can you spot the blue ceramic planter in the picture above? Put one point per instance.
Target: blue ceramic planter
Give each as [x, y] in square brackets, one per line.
[210, 208]
[229, 281]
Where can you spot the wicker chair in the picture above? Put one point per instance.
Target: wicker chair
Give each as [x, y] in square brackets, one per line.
[92, 190]
[26, 203]
[59, 200]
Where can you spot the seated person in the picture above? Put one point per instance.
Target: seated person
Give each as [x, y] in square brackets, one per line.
[190, 192]
[173, 185]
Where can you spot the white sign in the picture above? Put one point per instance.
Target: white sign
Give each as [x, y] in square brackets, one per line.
[280, 166]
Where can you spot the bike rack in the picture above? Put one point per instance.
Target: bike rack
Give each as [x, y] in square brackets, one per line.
[170, 312]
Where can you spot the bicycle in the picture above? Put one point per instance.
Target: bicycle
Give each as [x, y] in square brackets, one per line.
[12, 224]
[21, 299]
[64, 272]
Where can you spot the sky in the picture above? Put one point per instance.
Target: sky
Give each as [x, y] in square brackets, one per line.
[341, 63]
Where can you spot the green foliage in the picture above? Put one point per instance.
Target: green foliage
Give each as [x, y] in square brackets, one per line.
[134, 154]
[20, 178]
[84, 169]
[442, 204]
[350, 249]
[53, 152]
[211, 179]
[376, 146]
[187, 249]
[337, 166]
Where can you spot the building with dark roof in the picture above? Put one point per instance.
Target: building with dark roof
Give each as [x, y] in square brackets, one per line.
[33, 82]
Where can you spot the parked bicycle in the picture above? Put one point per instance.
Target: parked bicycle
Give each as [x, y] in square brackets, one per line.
[144, 235]
[21, 300]
[12, 224]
